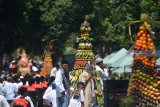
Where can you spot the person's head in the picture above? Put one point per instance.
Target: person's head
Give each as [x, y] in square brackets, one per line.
[52, 78]
[15, 78]
[31, 81]
[57, 66]
[47, 78]
[5, 78]
[27, 76]
[37, 79]
[42, 78]
[3, 72]
[80, 85]
[24, 81]
[99, 62]
[89, 67]
[9, 79]
[23, 91]
[1, 80]
[64, 64]
[21, 78]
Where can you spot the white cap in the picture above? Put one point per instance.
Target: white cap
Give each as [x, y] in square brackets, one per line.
[21, 77]
[13, 61]
[98, 60]
[38, 75]
[34, 68]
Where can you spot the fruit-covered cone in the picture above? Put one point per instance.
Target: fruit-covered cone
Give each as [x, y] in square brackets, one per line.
[84, 53]
[143, 85]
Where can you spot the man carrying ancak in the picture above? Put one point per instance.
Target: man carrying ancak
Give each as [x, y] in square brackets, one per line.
[93, 87]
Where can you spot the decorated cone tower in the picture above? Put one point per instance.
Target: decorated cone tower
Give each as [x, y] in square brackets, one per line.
[144, 83]
[23, 64]
[48, 53]
[84, 53]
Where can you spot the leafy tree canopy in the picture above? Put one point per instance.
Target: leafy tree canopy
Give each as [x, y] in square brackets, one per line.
[30, 23]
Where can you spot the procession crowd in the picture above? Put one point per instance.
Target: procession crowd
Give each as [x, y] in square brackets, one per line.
[30, 89]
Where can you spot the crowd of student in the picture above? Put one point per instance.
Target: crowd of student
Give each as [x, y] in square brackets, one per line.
[18, 90]
[33, 90]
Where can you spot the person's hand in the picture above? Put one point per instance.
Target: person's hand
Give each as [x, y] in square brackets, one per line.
[96, 92]
[93, 77]
[91, 74]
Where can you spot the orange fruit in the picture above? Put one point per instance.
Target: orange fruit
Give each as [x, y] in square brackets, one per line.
[143, 35]
[158, 82]
[141, 31]
[149, 40]
[148, 36]
[138, 34]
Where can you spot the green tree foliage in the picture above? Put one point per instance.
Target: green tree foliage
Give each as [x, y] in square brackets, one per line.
[30, 23]
[120, 14]
[19, 26]
[58, 17]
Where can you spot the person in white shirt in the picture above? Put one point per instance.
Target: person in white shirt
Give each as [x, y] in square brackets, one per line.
[15, 80]
[49, 96]
[54, 70]
[100, 68]
[1, 86]
[5, 81]
[77, 99]
[62, 85]
[3, 102]
[20, 81]
[10, 91]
